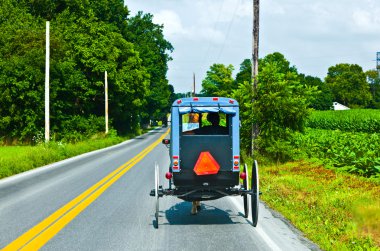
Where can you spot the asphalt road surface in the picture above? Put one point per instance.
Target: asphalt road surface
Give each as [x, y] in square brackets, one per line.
[100, 201]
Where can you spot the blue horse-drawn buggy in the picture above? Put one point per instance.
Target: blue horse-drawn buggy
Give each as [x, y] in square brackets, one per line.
[205, 159]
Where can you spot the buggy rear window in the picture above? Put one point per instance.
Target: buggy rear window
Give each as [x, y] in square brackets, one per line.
[211, 123]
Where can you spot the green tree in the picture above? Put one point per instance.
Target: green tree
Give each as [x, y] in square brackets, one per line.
[280, 107]
[110, 11]
[85, 40]
[245, 72]
[21, 72]
[93, 48]
[373, 79]
[218, 81]
[279, 59]
[348, 85]
[323, 99]
[154, 51]
[244, 95]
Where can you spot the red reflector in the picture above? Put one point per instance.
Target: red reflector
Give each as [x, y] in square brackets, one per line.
[179, 101]
[243, 175]
[195, 99]
[169, 175]
[231, 101]
[236, 157]
[175, 167]
[215, 99]
[206, 164]
[236, 167]
[175, 157]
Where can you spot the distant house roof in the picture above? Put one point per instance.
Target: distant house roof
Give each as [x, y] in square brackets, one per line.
[337, 106]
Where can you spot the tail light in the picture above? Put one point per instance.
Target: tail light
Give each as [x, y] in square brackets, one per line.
[168, 175]
[175, 162]
[236, 162]
[243, 175]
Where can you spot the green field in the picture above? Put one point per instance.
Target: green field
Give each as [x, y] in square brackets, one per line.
[347, 140]
[359, 120]
[354, 152]
[331, 192]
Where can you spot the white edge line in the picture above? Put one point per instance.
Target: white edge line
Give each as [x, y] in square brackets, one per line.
[272, 245]
[14, 178]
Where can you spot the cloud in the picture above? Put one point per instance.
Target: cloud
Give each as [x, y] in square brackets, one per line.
[313, 35]
[172, 23]
[366, 21]
[222, 11]
[195, 30]
[273, 7]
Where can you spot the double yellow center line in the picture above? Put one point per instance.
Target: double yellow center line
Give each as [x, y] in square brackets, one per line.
[40, 234]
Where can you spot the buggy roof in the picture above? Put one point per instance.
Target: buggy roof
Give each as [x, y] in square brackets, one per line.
[206, 104]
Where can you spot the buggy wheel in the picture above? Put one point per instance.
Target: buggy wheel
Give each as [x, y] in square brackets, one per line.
[245, 196]
[156, 187]
[255, 194]
[170, 181]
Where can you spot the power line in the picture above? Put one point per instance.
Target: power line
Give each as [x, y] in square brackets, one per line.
[228, 29]
[217, 21]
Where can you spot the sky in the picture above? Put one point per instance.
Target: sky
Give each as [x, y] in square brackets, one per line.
[312, 35]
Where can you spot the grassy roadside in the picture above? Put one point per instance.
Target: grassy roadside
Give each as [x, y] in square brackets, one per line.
[335, 210]
[17, 159]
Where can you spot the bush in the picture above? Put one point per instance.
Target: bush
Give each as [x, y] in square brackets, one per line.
[280, 107]
[78, 128]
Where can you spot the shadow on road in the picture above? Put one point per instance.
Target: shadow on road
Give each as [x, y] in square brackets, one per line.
[179, 214]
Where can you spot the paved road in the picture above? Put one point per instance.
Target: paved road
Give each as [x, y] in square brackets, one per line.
[100, 201]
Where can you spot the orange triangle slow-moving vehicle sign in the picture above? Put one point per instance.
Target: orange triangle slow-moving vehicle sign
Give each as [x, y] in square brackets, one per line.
[206, 164]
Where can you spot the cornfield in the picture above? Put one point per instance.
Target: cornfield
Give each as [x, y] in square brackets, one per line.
[359, 120]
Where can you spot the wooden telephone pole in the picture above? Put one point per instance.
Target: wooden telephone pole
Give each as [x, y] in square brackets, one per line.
[194, 84]
[47, 80]
[255, 61]
[255, 42]
[106, 99]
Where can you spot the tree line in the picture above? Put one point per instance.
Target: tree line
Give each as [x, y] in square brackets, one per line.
[87, 38]
[284, 97]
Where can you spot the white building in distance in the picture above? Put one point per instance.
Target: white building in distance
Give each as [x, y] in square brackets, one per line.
[339, 107]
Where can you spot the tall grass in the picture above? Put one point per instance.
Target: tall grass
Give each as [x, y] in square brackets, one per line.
[337, 211]
[17, 159]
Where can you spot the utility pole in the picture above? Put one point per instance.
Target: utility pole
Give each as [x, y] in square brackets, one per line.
[255, 42]
[378, 62]
[106, 99]
[47, 77]
[255, 62]
[194, 84]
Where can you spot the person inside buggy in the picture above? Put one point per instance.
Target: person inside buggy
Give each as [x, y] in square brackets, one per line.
[211, 127]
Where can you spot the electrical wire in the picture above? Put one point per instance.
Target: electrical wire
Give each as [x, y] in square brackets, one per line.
[228, 29]
[214, 28]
